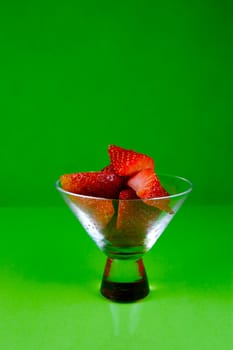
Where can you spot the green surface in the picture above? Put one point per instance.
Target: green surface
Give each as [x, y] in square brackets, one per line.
[76, 76]
[50, 274]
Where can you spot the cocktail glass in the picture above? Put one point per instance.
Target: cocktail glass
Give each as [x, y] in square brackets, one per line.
[125, 230]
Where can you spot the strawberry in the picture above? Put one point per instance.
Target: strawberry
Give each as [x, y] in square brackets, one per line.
[98, 184]
[147, 185]
[98, 211]
[127, 162]
[134, 219]
[128, 193]
[108, 169]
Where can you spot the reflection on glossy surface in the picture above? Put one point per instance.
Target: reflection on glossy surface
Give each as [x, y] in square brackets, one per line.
[125, 318]
[48, 300]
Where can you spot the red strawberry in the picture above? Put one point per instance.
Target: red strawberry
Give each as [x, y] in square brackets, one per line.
[128, 194]
[134, 219]
[98, 211]
[127, 162]
[98, 184]
[108, 169]
[147, 185]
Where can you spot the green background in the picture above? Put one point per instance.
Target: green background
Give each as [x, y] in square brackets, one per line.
[152, 76]
[76, 76]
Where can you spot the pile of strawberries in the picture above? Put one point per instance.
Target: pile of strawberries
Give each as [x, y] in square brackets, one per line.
[130, 175]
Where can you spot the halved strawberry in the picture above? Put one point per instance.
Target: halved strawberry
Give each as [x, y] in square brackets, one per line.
[134, 219]
[127, 162]
[147, 185]
[97, 184]
[98, 211]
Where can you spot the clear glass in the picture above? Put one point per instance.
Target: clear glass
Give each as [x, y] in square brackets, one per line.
[125, 238]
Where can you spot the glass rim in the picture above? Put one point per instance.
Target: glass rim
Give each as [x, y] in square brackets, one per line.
[180, 194]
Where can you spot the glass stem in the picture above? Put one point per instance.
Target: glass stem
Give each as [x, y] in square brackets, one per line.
[124, 280]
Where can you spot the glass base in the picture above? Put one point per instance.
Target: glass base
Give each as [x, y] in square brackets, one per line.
[124, 280]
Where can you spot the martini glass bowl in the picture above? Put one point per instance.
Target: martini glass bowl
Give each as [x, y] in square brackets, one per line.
[125, 230]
